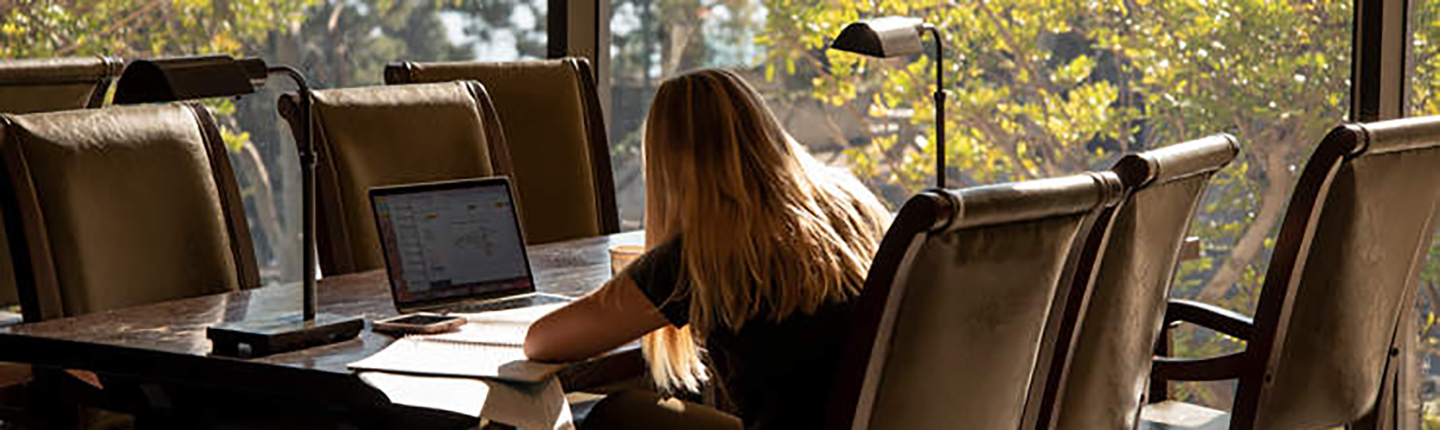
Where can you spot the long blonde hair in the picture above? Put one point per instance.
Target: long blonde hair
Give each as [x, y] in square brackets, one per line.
[763, 224]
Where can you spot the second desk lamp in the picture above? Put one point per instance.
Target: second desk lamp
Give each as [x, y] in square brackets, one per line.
[896, 36]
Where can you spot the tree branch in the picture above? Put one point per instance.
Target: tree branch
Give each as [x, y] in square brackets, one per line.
[1272, 203]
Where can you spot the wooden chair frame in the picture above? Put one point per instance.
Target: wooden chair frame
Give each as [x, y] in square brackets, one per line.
[934, 211]
[1136, 172]
[1265, 333]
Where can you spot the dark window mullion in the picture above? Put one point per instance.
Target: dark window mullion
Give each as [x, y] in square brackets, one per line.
[1379, 85]
[557, 28]
[1378, 60]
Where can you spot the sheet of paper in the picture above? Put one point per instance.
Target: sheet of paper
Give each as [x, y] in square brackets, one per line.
[525, 314]
[507, 327]
[489, 345]
[414, 355]
[531, 406]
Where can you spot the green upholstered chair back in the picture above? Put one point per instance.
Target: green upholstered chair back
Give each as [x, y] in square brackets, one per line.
[45, 85]
[556, 135]
[118, 207]
[52, 84]
[390, 135]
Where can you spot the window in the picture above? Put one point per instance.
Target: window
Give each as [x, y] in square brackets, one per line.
[336, 43]
[1424, 85]
[1037, 88]
[654, 39]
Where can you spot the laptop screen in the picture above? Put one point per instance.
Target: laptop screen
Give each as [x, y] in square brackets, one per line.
[451, 240]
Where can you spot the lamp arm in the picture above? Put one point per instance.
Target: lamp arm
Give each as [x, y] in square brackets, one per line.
[305, 146]
[939, 105]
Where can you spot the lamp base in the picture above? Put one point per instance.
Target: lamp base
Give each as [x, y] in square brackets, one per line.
[251, 339]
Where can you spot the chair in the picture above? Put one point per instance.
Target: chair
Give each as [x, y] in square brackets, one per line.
[556, 134]
[375, 136]
[955, 318]
[51, 84]
[119, 207]
[43, 85]
[1318, 352]
[1110, 363]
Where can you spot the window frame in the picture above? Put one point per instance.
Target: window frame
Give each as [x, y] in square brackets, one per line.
[1379, 87]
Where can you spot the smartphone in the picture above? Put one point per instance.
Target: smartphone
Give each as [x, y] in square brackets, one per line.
[419, 323]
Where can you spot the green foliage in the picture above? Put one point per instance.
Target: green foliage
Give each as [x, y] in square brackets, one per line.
[1036, 87]
[1425, 100]
[139, 28]
[143, 29]
[334, 42]
[1043, 88]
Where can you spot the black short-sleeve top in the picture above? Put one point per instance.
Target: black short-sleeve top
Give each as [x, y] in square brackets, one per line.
[771, 374]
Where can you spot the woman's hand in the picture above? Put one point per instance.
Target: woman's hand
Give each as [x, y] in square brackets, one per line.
[612, 316]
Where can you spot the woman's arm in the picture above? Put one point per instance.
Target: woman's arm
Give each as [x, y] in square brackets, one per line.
[612, 316]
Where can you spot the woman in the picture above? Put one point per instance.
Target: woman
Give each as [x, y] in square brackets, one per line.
[756, 250]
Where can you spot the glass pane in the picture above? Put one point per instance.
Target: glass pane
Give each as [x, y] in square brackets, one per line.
[1037, 88]
[335, 43]
[1423, 375]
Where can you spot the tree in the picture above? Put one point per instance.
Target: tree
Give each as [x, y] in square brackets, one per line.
[158, 28]
[138, 28]
[1425, 100]
[337, 43]
[1045, 87]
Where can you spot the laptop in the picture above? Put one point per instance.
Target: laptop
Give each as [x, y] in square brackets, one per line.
[455, 247]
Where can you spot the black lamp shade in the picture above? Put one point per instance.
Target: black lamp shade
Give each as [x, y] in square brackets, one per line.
[892, 36]
[185, 78]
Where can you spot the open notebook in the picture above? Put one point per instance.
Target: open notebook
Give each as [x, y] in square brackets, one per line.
[488, 346]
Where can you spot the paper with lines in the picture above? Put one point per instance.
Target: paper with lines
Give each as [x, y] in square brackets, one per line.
[488, 346]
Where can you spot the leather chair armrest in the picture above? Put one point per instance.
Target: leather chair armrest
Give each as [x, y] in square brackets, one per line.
[1209, 316]
[1197, 369]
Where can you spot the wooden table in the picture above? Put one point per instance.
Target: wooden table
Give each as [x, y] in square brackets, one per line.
[165, 343]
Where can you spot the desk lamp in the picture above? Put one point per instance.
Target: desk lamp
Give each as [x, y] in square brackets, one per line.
[186, 78]
[897, 36]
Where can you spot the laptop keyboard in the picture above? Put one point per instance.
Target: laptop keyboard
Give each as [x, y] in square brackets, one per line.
[500, 305]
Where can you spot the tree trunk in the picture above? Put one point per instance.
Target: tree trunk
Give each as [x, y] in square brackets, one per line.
[1272, 205]
[267, 216]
